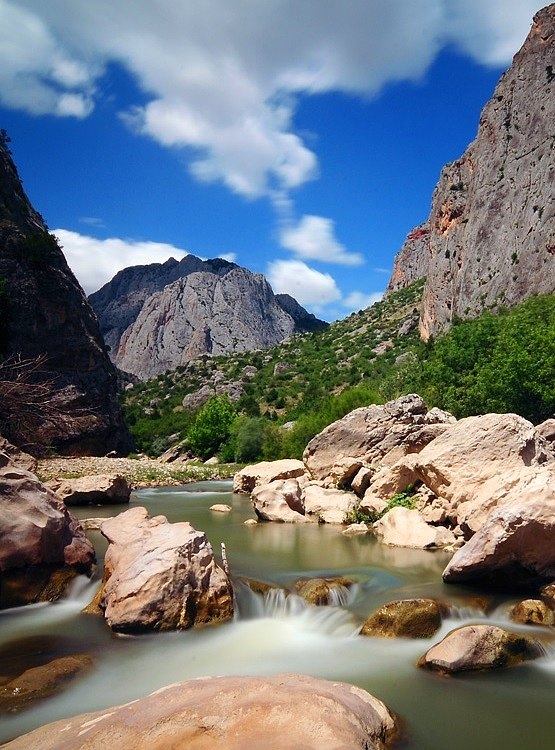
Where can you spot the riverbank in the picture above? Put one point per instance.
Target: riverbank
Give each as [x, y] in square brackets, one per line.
[139, 472]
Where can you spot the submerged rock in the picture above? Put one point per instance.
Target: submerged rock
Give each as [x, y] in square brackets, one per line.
[477, 647]
[274, 713]
[161, 576]
[406, 618]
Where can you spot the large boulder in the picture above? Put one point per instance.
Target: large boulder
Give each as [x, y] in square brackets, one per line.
[328, 505]
[373, 435]
[97, 489]
[515, 546]
[402, 527]
[160, 575]
[274, 713]
[265, 472]
[475, 465]
[477, 647]
[11, 455]
[35, 526]
[280, 500]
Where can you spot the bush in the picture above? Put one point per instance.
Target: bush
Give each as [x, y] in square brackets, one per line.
[212, 426]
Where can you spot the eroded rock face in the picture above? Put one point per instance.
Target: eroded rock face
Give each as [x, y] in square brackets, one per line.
[45, 312]
[161, 576]
[265, 472]
[97, 489]
[515, 546]
[406, 618]
[285, 711]
[490, 237]
[477, 647]
[373, 435]
[35, 526]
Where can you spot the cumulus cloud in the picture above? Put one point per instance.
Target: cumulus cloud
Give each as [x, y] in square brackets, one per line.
[360, 300]
[313, 238]
[94, 262]
[222, 79]
[307, 286]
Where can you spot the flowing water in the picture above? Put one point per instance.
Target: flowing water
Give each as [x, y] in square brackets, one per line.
[512, 709]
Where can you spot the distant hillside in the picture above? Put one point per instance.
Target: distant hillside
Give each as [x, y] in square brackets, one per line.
[490, 238]
[157, 317]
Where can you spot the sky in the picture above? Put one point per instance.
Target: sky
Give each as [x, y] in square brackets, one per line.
[301, 139]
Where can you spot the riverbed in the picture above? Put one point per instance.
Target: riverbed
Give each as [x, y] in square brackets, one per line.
[510, 709]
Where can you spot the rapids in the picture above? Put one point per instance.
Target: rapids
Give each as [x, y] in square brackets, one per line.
[512, 709]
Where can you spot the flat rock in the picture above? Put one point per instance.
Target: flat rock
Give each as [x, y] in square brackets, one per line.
[221, 508]
[265, 472]
[284, 712]
[477, 647]
[160, 575]
[98, 489]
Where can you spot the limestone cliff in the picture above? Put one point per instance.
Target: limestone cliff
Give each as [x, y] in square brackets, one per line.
[490, 237]
[203, 313]
[159, 316]
[44, 312]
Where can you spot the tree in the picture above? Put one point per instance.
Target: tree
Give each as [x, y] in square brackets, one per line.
[212, 426]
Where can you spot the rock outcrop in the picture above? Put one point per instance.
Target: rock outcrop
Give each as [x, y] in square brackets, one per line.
[285, 711]
[490, 237]
[44, 313]
[160, 576]
[265, 472]
[157, 317]
[97, 489]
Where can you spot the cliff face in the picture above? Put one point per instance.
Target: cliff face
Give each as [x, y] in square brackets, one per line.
[490, 237]
[203, 313]
[44, 311]
[159, 316]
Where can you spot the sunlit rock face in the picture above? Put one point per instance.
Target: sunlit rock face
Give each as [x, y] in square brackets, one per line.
[490, 238]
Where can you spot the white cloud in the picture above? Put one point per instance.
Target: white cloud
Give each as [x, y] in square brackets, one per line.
[94, 262]
[231, 257]
[314, 239]
[222, 78]
[360, 300]
[307, 286]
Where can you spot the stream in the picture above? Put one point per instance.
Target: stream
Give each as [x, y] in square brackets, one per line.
[510, 709]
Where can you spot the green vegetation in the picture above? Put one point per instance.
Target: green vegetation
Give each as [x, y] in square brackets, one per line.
[289, 393]
[404, 499]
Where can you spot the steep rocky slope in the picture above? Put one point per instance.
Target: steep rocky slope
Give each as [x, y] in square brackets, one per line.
[44, 311]
[159, 316]
[490, 237]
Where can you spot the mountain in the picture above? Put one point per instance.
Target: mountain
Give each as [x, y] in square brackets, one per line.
[490, 238]
[157, 317]
[44, 314]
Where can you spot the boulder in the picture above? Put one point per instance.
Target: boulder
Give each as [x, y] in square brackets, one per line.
[475, 465]
[516, 546]
[35, 526]
[10, 455]
[194, 401]
[160, 575]
[280, 500]
[323, 591]
[401, 527]
[221, 508]
[355, 528]
[328, 505]
[283, 711]
[97, 489]
[375, 434]
[42, 682]
[477, 647]
[532, 612]
[361, 481]
[265, 472]
[406, 618]
[547, 593]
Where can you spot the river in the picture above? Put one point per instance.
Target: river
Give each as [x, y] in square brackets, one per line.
[510, 709]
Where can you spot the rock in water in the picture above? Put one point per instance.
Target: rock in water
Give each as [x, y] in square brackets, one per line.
[406, 618]
[161, 576]
[489, 240]
[285, 712]
[477, 647]
[45, 313]
[97, 489]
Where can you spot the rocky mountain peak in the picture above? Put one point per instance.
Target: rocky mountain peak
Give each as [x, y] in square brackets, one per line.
[490, 238]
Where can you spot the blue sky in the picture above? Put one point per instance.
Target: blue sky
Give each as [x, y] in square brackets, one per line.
[301, 139]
